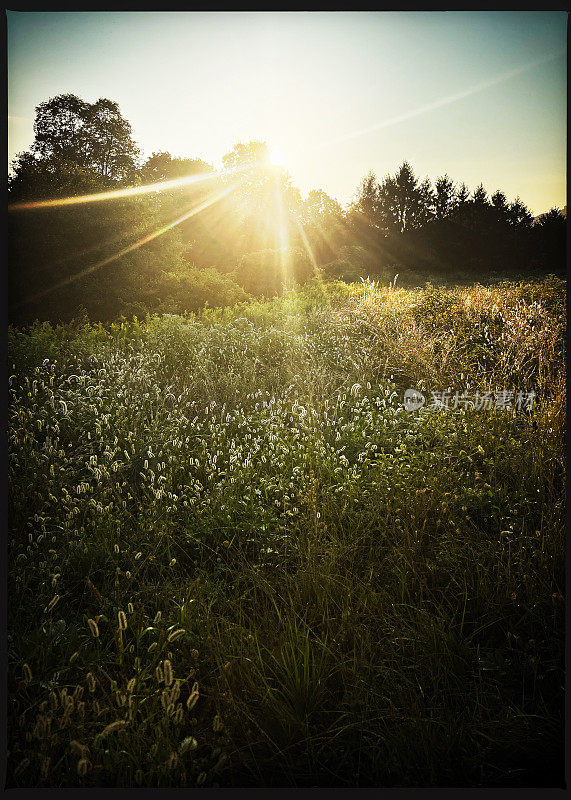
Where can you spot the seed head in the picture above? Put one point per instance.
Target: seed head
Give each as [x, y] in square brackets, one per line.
[168, 672]
[78, 748]
[93, 627]
[122, 621]
[217, 724]
[52, 603]
[119, 724]
[22, 766]
[82, 767]
[173, 761]
[193, 697]
[45, 769]
[188, 744]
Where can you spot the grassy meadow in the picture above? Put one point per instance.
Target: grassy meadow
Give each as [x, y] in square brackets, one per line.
[235, 558]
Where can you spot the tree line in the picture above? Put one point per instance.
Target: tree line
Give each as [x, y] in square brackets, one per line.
[220, 236]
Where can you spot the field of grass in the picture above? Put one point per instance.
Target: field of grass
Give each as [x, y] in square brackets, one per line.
[235, 558]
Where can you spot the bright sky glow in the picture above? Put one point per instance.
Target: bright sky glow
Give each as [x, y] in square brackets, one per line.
[276, 158]
[480, 95]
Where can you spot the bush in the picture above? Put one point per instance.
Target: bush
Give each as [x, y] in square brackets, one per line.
[267, 273]
[193, 289]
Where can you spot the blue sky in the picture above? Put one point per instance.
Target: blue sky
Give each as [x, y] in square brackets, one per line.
[480, 95]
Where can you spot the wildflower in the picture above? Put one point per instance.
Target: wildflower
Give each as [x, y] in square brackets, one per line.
[122, 621]
[93, 627]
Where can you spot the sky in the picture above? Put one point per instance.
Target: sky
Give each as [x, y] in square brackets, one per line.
[478, 95]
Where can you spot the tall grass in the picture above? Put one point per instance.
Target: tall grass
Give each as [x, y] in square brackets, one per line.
[235, 559]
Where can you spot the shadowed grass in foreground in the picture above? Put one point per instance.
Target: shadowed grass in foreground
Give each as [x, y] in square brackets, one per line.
[236, 559]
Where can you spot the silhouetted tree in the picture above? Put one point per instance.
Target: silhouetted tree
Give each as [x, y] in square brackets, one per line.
[444, 197]
[519, 214]
[90, 136]
[163, 167]
[500, 204]
[550, 240]
[323, 224]
[404, 203]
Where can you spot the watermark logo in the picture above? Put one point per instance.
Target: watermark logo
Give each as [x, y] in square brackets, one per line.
[413, 400]
[479, 401]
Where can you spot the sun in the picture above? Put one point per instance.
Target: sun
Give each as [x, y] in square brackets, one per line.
[276, 158]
